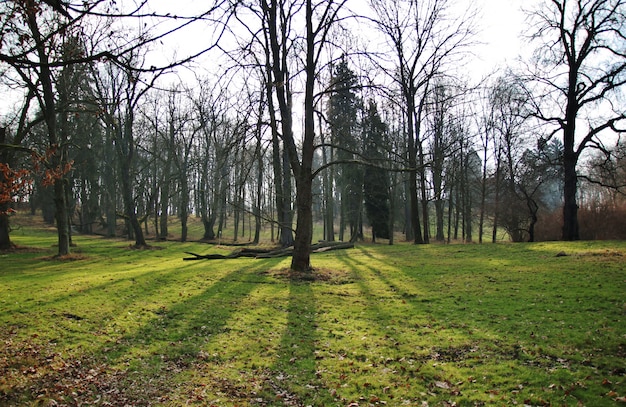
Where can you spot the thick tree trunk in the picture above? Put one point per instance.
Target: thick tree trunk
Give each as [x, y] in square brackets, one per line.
[570, 207]
[131, 213]
[424, 192]
[496, 211]
[483, 193]
[5, 240]
[570, 159]
[301, 260]
[62, 219]
[304, 227]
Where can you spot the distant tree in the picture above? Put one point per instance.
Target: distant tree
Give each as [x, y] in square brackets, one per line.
[539, 168]
[441, 128]
[424, 37]
[580, 71]
[509, 112]
[343, 109]
[376, 181]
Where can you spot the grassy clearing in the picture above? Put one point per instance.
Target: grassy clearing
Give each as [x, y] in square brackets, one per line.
[397, 325]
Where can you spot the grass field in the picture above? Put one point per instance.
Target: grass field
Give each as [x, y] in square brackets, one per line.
[435, 325]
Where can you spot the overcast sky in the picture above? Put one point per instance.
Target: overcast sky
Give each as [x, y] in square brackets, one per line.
[501, 24]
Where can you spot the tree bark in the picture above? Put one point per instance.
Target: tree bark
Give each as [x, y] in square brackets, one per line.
[570, 159]
[301, 260]
[413, 197]
[5, 239]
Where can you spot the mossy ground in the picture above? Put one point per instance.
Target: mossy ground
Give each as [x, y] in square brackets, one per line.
[397, 325]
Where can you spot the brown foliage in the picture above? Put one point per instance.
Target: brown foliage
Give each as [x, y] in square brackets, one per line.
[602, 222]
[596, 222]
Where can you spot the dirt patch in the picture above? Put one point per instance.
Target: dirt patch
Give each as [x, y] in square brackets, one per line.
[65, 257]
[23, 249]
[144, 247]
[318, 275]
[604, 253]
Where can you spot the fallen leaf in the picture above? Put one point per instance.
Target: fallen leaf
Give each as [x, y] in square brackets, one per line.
[442, 385]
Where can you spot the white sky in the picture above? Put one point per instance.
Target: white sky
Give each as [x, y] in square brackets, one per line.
[501, 24]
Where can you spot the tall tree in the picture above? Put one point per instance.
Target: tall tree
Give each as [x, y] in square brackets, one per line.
[343, 109]
[319, 19]
[581, 67]
[376, 181]
[441, 146]
[509, 114]
[424, 37]
[32, 56]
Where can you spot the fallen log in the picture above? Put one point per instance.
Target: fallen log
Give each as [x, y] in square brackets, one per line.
[269, 254]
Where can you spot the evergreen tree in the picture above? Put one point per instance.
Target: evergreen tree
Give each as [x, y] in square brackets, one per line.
[343, 107]
[376, 184]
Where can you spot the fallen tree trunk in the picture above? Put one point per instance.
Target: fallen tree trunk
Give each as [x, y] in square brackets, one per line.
[269, 254]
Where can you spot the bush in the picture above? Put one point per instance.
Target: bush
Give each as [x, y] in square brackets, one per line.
[596, 222]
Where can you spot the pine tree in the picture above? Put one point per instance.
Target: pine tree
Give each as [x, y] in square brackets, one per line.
[376, 184]
[343, 108]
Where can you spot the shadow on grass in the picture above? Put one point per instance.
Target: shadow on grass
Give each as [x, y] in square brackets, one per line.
[517, 327]
[139, 365]
[293, 379]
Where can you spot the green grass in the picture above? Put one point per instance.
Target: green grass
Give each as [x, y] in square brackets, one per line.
[395, 325]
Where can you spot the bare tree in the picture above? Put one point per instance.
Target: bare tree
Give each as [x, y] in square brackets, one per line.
[23, 23]
[424, 37]
[319, 18]
[580, 69]
[509, 114]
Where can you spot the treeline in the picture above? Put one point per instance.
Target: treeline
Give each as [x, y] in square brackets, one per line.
[393, 142]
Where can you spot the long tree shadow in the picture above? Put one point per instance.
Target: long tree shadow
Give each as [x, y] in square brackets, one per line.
[294, 379]
[139, 366]
[476, 320]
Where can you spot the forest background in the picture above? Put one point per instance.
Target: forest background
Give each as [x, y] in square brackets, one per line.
[365, 119]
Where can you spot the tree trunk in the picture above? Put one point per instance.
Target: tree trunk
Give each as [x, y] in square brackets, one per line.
[259, 179]
[329, 212]
[110, 196]
[184, 202]
[483, 191]
[301, 260]
[165, 185]
[49, 113]
[304, 226]
[422, 172]
[570, 159]
[126, 148]
[496, 212]
[286, 230]
[5, 240]
[414, 202]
